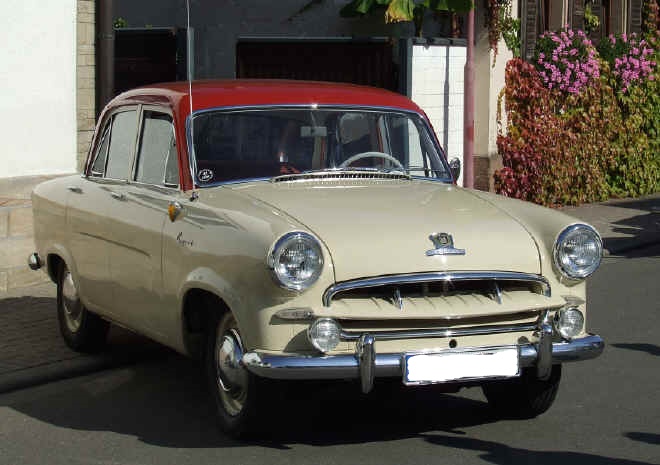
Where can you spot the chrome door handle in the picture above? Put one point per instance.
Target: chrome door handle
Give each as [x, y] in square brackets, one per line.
[75, 189]
[117, 196]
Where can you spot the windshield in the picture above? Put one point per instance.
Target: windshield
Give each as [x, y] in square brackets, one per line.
[247, 144]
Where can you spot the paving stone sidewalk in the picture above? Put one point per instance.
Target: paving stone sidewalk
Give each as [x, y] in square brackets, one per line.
[32, 351]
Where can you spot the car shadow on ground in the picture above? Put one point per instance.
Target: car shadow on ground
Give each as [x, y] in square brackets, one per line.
[651, 349]
[497, 453]
[165, 403]
[649, 438]
[644, 227]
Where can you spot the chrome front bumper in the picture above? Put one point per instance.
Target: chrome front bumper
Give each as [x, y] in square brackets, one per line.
[365, 364]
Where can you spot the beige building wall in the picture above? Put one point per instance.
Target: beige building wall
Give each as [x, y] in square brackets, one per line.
[38, 57]
[16, 229]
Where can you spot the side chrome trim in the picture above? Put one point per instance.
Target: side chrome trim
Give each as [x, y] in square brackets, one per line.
[299, 367]
[441, 332]
[413, 278]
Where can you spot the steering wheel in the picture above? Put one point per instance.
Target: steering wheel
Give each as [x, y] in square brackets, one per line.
[360, 156]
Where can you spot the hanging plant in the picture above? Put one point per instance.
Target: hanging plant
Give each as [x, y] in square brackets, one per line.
[397, 11]
[494, 22]
[510, 28]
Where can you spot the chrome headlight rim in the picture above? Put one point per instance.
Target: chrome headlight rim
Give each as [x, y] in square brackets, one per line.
[280, 245]
[572, 273]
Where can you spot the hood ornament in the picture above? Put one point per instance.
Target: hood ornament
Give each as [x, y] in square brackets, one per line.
[444, 245]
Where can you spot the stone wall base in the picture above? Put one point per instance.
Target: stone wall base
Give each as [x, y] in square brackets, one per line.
[484, 168]
[481, 173]
[16, 233]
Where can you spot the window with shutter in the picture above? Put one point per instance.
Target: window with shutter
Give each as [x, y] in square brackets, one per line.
[635, 8]
[577, 14]
[615, 16]
[529, 14]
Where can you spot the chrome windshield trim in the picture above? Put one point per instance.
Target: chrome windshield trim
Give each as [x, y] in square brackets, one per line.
[414, 278]
[440, 332]
[192, 161]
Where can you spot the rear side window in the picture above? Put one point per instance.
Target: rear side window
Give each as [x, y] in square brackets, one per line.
[157, 157]
[122, 143]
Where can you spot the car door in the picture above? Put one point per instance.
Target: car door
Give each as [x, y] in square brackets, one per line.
[136, 258]
[93, 204]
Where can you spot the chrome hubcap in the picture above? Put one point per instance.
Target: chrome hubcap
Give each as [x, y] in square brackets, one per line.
[73, 309]
[232, 377]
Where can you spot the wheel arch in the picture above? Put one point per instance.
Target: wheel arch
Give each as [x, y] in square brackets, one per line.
[55, 256]
[198, 306]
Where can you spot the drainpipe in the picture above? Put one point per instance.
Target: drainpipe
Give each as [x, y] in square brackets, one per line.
[105, 55]
[468, 107]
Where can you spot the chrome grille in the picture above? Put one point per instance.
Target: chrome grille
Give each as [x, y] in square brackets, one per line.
[435, 287]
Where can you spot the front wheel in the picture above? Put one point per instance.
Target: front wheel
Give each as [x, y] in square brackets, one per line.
[238, 394]
[82, 330]
[523, 397]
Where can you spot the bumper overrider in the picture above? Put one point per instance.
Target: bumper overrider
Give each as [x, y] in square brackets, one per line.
[365, 364]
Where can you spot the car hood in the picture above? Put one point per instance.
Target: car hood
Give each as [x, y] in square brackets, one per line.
[382, 227]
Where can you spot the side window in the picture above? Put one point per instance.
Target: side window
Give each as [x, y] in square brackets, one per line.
[416, 156]
[98, 167]
[157, 157]
[122, 142]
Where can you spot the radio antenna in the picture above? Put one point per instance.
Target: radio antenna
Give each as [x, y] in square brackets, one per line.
[189, 72]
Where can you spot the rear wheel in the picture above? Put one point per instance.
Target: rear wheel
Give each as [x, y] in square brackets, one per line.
[82, 330]
[238, 394]
[523, 397]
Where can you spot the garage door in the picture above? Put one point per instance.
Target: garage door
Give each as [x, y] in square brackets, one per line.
[368, 63]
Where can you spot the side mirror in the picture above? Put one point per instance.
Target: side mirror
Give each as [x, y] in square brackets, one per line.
[455, 168]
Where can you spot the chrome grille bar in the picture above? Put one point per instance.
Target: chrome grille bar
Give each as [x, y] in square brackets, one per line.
[418, 278]
[440, 332]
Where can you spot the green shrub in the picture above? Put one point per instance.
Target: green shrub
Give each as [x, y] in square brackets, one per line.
[566, 147]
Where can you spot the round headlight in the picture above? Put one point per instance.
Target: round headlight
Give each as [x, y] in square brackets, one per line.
[324, 334]
[578, 251]
[569, 322]
[296, 260]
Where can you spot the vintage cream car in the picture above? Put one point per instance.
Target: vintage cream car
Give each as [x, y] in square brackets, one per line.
[297, 230]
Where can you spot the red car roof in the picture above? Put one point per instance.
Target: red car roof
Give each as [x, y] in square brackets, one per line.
[248, 92]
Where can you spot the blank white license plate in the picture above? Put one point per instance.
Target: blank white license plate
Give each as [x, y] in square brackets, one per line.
[461, 366]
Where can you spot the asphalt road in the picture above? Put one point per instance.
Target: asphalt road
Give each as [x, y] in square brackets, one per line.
[156, 411]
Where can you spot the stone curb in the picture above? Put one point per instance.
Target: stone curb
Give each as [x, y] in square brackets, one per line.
[57, 371]
[139, 350]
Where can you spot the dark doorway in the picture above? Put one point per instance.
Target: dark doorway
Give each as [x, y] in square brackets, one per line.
[146, 56]
[337, 60]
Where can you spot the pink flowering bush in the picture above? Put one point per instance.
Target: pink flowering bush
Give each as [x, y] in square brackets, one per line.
[630, 59]
[566, 60]
[583, 125]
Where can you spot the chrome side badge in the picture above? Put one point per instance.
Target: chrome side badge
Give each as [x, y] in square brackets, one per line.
[444, 245]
